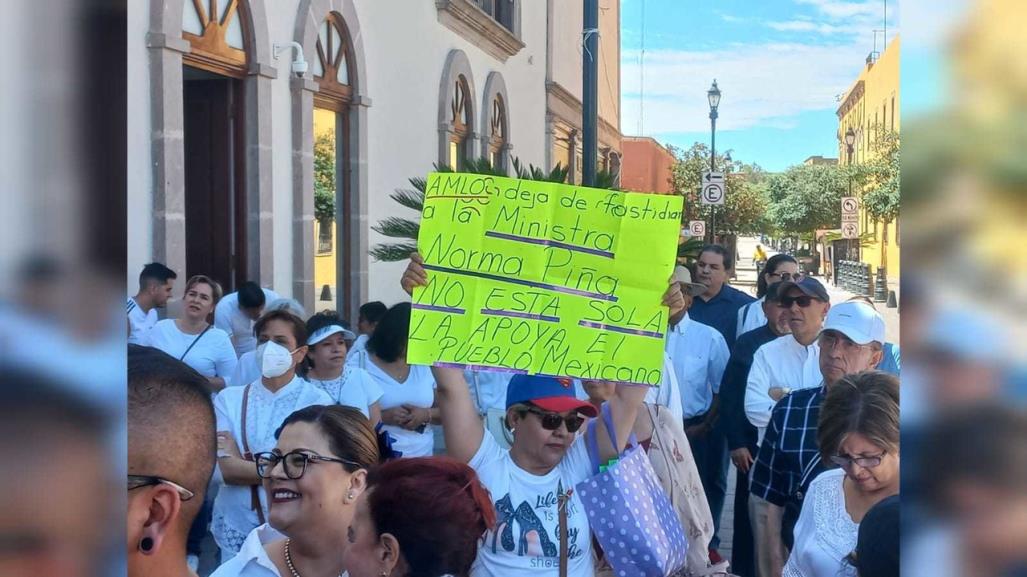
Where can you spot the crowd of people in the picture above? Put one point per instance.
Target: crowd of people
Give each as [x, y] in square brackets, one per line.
[307, 448]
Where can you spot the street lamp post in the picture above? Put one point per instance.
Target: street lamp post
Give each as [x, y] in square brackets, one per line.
[713, 95]
[850, 140]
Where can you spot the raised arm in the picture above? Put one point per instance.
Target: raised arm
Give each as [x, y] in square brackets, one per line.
[461, 425]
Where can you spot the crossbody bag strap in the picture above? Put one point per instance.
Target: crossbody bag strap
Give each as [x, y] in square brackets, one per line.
[247, 455]
[192, 344]
[561, 505]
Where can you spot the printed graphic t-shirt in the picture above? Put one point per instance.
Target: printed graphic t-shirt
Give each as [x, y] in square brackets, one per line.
[526, 539]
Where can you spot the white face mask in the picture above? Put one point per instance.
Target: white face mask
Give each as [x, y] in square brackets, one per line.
[273, 359]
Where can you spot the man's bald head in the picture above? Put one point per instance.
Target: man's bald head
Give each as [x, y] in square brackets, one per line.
[171, 424]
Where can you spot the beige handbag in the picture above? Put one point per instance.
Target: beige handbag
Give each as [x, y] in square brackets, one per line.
[671, 457]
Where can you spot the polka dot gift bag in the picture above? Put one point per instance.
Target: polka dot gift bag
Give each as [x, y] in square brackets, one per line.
[630, 515]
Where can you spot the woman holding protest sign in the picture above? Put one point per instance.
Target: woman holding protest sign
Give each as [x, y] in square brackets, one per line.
[532, 483]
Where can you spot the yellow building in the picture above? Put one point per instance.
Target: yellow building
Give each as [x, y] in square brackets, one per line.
[870, 108]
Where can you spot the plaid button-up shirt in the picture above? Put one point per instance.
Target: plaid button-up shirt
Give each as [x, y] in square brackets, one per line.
[789, 457]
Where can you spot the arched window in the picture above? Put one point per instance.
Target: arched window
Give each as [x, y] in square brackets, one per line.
[331, 66]
[217, 33]
[460, 139]
[497, 133]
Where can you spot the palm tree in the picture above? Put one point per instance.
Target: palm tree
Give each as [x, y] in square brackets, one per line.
[406, 230]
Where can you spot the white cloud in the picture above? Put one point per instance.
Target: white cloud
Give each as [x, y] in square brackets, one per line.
[762, 85]
[810, 26]
[841, 10]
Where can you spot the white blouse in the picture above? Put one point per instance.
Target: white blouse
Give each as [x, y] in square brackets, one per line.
[825, 533]
[418, 390]
[353, 388]
[252, 560]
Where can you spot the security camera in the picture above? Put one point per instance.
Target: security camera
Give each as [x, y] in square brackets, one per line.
[299, 65]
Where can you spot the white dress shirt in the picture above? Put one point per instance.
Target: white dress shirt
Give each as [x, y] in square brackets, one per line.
[783, 362]
[751, 317]
[668, 394]
[699, 355]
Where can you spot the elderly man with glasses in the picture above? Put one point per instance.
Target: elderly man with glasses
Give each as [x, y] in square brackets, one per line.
[788, 459]
[789, 362]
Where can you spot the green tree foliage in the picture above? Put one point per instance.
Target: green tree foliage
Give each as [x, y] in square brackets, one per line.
[879, 178]
[324, 177]
[805, 198]
[745, 208]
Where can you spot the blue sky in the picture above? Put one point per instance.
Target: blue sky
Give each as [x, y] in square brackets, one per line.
[780, 65]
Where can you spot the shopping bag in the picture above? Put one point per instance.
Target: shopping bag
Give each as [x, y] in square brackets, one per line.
[629, 513]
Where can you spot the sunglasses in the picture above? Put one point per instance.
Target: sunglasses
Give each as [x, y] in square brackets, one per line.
[865, 462]
[294, 463]
[785, 276]
[803, 301]
[551, 421]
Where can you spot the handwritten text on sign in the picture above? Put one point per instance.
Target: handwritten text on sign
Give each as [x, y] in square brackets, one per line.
[543, 278]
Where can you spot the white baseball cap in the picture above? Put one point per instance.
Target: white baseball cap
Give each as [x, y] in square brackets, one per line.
[325, 332]
[856, 320]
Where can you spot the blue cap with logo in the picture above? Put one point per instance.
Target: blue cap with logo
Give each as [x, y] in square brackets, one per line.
[547, 393]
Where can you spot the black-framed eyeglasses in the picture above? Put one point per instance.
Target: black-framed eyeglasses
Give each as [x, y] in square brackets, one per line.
[137, 481]
[866, 462]
[294, 462]
[787, 276]
[803, 301]
[551, 421]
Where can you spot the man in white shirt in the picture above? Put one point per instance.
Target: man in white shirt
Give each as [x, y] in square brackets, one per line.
[155, 284]
[790, 362]
[236, 313]
[699, 355]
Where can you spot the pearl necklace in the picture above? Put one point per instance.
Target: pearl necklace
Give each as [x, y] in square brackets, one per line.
[288, 560]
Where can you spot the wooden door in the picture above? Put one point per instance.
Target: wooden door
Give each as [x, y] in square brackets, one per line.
[213, 177]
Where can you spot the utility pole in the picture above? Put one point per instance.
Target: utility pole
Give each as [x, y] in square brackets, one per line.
[590, 91]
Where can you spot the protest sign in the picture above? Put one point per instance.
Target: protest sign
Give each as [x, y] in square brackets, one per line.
[543, 278]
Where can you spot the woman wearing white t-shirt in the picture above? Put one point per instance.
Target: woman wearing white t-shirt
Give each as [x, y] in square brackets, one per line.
[313, 476]
[326, 367]
[408, 397]
[530, 481]
[858, 430]
[247, 418]
[191, 339]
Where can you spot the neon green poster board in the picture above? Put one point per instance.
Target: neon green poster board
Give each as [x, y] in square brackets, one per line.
[543, 278]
